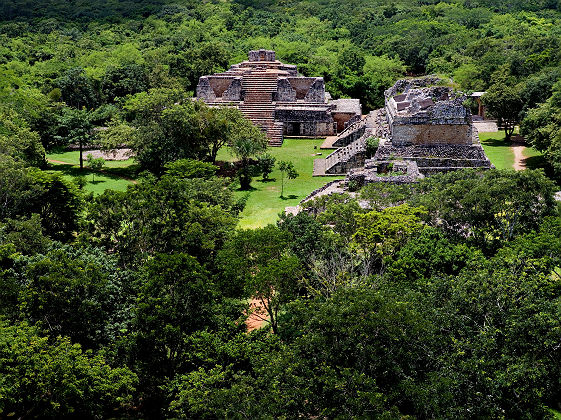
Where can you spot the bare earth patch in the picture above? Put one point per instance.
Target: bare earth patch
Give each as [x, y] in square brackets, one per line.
[518, 150]
[257, 315]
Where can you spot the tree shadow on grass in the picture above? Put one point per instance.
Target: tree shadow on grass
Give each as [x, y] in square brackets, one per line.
[75, 171]
[247, 189]
[124, 172]
[289, 197]
[267, 180]
[496, 142]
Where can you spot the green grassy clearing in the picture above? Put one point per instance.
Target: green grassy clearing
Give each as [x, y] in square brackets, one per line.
[110, 178]
[73, 157]
[264, 202]
[497, 149]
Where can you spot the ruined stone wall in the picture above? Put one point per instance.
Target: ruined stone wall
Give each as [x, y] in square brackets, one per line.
[316, 92]
[342, 118]
[310, 89]
[405, 84]
[291, 69]
[285, 92]
[234, 91]
[262, 55]
[219, 84]
[308, 128]
[211, 88]
[419, 134]
[204, 91]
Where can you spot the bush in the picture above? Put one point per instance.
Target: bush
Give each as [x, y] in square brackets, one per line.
[372, 144]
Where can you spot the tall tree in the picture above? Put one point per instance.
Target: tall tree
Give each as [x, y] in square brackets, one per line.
[287, 170]
[247, 142]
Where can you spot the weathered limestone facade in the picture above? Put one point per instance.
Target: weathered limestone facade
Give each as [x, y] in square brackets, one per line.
[423, 129]
[274, 97]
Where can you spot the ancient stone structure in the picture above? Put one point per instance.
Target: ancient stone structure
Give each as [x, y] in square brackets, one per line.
[420, 121]
[422, 129]
[274, 97]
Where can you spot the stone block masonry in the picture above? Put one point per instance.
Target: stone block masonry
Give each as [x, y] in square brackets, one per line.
[422, 130]
[273, 96]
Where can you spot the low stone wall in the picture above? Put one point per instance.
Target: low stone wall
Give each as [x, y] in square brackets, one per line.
[320, 190]
[452, 163]
[440, 151]
[354, 119]
[370, 175]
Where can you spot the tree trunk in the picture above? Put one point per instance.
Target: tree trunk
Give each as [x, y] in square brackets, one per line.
[245, 177]
[81, 156]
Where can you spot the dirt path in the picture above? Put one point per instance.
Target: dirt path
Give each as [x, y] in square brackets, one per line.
[518, 150]
[103, 171]
[257, 315]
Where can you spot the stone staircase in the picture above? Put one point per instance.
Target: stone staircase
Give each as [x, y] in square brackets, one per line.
[257, 106]
[350, 134]
[346, 158]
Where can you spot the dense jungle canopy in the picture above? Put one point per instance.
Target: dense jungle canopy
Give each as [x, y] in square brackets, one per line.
[439, 299]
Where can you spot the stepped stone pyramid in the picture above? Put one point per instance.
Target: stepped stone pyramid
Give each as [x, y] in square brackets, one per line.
[275, 98]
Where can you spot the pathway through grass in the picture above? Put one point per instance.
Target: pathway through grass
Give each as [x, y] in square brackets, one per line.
[264, 203]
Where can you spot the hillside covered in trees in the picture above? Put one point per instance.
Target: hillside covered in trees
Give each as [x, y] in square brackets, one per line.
[438, 299]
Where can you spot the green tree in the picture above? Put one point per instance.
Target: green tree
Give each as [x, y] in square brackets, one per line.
[53, 378]
[247, 142]
[266, 163]
[126, 80]
[77, 89]
[191, 168]
[25, 191]
[67, 293]
[74, 126]
[504, 101]
[18, 141]
[175, 300]
[380, 234]
[487, 209]
[256, 263]
[541, 125]
[94, 164]
[157, 216]
[287, 169]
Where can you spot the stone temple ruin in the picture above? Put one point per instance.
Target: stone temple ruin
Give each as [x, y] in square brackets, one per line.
[274, 97]
[423, 129]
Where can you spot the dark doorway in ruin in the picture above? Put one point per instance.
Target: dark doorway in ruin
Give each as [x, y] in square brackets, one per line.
[292, 129]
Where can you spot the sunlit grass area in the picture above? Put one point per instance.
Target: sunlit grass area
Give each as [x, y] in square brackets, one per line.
[73, 157]
[116, 175]
[497, 149]
[264, 203]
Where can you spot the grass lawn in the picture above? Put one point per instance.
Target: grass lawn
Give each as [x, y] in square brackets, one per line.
[264, 202]
[111, 178]
[497, 149]
[73, 157]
